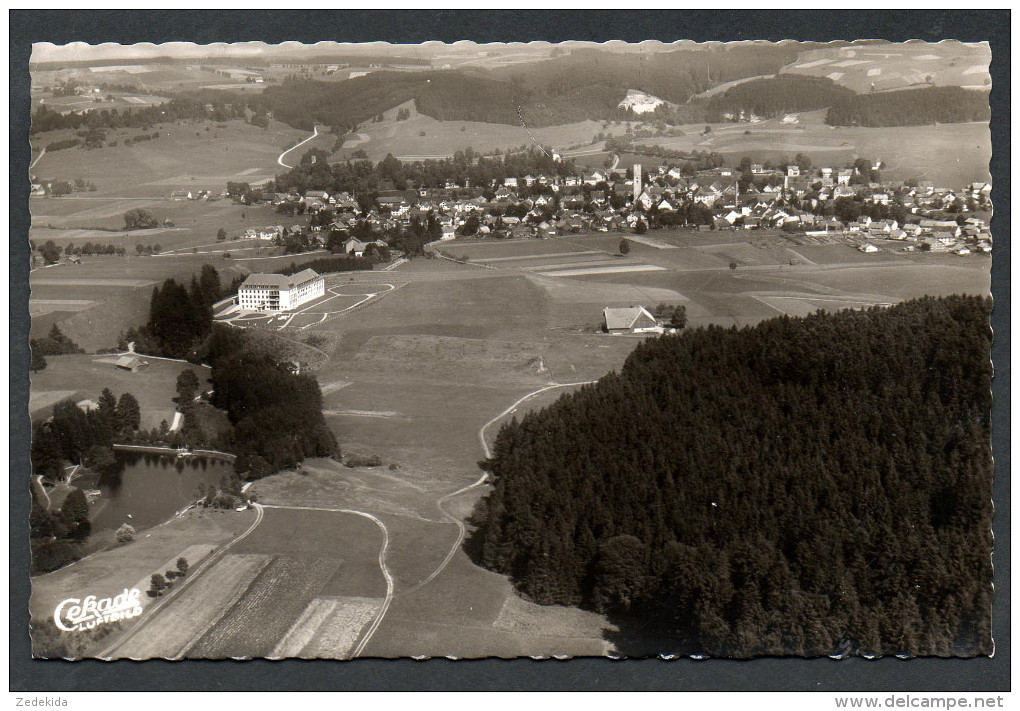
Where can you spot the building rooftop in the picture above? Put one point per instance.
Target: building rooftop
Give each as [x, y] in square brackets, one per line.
[624, 317]
[280, 280]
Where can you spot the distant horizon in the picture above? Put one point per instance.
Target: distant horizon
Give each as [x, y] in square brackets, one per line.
[47, 52]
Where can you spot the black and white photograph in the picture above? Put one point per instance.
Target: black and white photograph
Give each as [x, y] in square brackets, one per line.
[548, 350]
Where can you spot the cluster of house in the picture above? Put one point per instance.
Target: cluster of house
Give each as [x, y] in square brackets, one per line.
[192, 195]
[791, 199]
[928, 235]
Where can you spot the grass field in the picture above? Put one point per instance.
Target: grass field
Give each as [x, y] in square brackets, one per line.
[951, 155]
[328, 629]
[101, 220]
[121, 101]
[186, 156]
[88, 375]
[119, 289]
[405, 139]
[261, 616]
[904, 65]
[153, 77]
[249, 601]
[413, 377]
[178, 624]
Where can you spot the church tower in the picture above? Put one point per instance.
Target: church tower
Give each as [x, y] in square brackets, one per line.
[637, 181]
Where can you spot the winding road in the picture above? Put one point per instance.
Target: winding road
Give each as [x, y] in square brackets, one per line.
[382, 565]
[481, 480]
[551, 386]
[454, 519]
[315, 134]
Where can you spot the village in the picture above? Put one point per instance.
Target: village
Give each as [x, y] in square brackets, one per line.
[852, 203]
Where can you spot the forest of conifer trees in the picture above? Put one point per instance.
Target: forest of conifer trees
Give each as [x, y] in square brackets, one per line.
[807, 486]
[911, 107]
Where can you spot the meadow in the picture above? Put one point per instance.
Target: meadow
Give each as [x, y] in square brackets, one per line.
[901, 66]
[87, 375]
[185, 156]
[120, 101]
[246, 603]
[951, 155]
[94, 302]
[80, 219]
[419, 372]
[151, 77]
[422, 137]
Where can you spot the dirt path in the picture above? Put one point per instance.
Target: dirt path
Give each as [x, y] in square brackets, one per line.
[315, 134]
[382, 566]
[461, 531]
[37, 158]
[551, 386]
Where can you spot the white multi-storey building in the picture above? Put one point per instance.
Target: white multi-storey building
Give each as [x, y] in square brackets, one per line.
[276, 292]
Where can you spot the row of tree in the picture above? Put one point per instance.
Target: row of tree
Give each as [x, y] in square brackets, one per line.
[364, 179]
[90, 249]
[808, 486]
[191, 106]
[329, 265]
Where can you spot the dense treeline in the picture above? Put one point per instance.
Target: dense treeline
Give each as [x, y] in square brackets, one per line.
[277, 414]
[911, 107]
[329, 265]
[179, 318]
[302, 103]
[590, 83]
[776, 96]
[195, 105]
[586, 84]
[806, 486]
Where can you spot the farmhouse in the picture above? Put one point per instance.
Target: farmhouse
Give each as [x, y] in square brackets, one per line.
[277, 292]
[131, 362]
[631, 319]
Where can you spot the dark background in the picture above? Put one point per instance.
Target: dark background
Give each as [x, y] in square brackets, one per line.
[127, 26]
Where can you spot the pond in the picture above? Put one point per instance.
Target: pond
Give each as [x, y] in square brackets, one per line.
[147, 489]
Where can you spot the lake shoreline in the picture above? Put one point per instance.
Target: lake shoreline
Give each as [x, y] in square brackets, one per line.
[153, 449]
